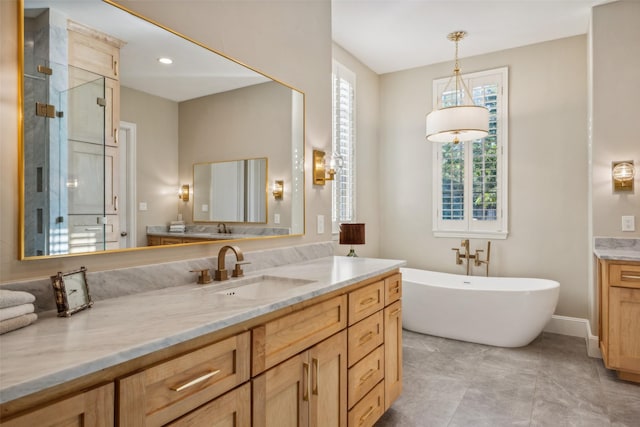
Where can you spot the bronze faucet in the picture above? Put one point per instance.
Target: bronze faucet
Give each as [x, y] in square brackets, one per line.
[221, 273]
[475, 257]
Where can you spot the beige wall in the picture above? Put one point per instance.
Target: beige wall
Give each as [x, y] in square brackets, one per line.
[287, 40]
[548, 182]
[614, 92]
[368, 198]
[156, 121]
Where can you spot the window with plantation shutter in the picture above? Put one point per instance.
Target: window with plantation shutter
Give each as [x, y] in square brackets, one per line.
[343, 146]
[470, 178]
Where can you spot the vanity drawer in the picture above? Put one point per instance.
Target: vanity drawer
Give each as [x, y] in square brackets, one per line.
[365, 374]
[364, 337]
[624, 275]
[233, 410]
[369, 409]
[365, 301]
[166, 391]
[392, 288]
[279, 339]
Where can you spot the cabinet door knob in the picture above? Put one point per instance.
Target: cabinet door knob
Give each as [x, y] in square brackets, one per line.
[124, 234]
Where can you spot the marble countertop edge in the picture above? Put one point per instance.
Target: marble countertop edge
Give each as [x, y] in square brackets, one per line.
[196, 312]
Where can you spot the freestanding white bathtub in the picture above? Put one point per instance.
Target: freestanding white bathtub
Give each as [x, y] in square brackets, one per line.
[499, 311]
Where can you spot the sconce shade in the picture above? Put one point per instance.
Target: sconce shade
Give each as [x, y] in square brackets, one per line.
[352, 234]
[622, 174]
[184, 193]
[278, 189]
[456, 124]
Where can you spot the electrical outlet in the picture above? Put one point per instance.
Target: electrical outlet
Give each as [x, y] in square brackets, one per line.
[320, 224]
[628, 223]
[204, 208]
[142, 206]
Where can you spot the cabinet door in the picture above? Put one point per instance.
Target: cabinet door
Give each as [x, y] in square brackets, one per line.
[111, 111]
[328, 405]
[281, 394]
[91, 408]
[624, 327]
[392, 353]
[231, 410]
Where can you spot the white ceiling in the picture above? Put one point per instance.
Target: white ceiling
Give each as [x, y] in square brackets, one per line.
[393, 35]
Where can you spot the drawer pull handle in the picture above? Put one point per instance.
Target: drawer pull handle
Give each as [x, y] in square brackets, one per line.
[196, 381]
[316, 369]
[630, 277]
[366, 415]
[367, 301]
[395, 289]
[305, 382]
[394, 312]
[366, 337]
[366, 376]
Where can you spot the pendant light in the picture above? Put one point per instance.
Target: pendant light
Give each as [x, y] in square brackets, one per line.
[464, 121]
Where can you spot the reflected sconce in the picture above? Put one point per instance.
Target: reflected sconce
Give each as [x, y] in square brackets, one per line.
[622, 174]
[278, 189]
[183, 193]
[352, 234]
[323, 172]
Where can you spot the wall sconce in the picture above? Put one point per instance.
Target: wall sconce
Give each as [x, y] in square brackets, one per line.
[622, 174]
[278, 189]
[322, 171]
[183, 193]
[352, 234]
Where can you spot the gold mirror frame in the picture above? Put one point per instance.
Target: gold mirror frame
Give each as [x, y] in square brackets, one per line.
[21, 141]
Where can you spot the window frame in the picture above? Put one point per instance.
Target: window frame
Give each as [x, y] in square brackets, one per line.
[339, 71]
[468, 227]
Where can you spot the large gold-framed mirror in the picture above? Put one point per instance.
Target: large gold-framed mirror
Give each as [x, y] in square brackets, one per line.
[110, 134]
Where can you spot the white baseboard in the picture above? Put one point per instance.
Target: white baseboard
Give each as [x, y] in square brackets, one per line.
[575, 327]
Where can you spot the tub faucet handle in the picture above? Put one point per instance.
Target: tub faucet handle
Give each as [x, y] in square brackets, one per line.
[458, 259]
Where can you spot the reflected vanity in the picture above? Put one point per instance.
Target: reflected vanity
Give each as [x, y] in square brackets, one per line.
[109, 134]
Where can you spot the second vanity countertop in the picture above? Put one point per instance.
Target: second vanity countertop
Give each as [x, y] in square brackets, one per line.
[56, 350]
[617, 249]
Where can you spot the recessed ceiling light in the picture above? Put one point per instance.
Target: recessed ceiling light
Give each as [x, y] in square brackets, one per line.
[165, 61]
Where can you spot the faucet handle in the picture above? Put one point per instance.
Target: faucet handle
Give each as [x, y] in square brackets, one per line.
[458, 259]
[237, 271]
[203, 277]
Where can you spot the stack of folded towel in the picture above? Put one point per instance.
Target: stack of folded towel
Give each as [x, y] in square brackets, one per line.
[16, 310]
[177, 227]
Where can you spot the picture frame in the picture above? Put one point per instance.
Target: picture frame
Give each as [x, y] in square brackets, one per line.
[71, 292]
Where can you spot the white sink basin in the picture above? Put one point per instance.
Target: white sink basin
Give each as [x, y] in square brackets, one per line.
[261, 287]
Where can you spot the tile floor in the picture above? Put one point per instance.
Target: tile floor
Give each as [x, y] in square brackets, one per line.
[551, 382]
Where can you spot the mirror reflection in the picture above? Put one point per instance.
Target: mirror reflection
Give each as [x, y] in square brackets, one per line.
[230, 191]
[110, 134]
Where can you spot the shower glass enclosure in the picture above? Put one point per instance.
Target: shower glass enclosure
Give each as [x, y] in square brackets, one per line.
[65, 167]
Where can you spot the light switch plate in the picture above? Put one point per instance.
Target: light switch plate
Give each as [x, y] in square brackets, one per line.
[276, 218]
[320, 224]
[204, 208]
[142, 206]
[628, 223]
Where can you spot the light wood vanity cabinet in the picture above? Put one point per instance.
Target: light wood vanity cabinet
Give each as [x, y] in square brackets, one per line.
[297, 367]
[94, 407]
[375, 350]
[619, 313]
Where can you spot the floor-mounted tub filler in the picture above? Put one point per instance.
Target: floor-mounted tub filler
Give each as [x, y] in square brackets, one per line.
[499, 311]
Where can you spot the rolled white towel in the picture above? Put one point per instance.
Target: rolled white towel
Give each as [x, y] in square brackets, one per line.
[17, 322]
[15, 311]
[10, 298]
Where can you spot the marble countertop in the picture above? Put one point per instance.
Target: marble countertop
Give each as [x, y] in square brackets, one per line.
[203, 235]
[618, 249]
[56, 350]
